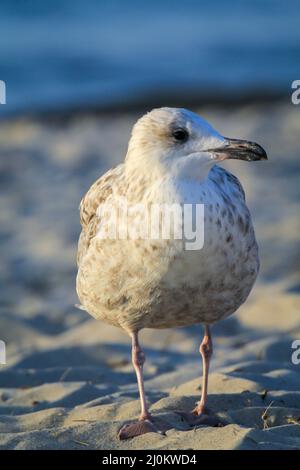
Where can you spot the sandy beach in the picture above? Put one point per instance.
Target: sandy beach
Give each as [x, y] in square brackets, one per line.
[68, 382]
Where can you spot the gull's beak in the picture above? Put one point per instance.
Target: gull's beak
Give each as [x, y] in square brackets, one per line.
[240, 150]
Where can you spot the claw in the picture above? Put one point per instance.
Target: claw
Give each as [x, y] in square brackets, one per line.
[202, 419]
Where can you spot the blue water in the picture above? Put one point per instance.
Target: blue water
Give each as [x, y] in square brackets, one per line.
[72, 52]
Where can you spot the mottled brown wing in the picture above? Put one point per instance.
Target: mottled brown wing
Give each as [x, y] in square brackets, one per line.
[228, 178]
[96, 195]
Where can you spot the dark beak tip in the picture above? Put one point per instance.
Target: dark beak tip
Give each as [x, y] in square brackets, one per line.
[263, 156]
[245, 150]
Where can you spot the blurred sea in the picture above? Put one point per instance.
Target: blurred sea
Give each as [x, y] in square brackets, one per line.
[62, 53]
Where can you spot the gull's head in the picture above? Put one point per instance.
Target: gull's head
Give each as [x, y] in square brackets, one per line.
[180, 142]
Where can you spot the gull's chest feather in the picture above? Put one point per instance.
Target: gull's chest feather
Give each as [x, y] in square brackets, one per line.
[228, 259]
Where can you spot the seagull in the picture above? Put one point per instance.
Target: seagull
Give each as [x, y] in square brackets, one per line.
[136, 283]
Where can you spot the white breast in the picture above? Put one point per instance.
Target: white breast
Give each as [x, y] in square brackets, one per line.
[219, 276]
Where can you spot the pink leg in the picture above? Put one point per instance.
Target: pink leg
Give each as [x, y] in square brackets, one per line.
[145, 423]
[138, 360]
[206, 350]
[200, 414]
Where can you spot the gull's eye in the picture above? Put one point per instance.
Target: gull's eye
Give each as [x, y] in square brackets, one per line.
[180, 135]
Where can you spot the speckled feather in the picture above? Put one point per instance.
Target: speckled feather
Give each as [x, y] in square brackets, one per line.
[137, 284]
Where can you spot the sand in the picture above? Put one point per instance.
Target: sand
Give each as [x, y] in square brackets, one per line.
[68, 382]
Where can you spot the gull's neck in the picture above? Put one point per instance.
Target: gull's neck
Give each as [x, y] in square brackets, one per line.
[151, 169]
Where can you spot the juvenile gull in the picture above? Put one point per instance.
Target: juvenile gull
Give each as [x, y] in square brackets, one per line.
[146, 283]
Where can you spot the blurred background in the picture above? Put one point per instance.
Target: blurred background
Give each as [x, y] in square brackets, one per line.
[78, 75]
[114, 53]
